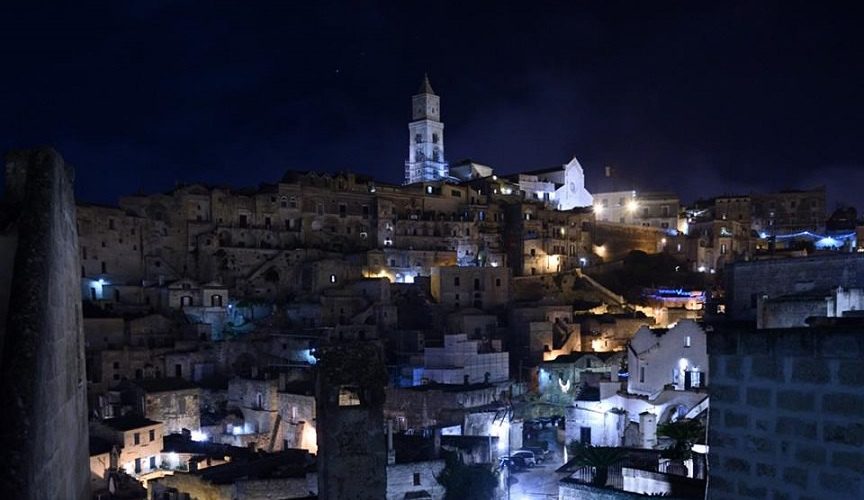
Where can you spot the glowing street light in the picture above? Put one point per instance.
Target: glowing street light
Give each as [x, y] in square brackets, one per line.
[632, 205]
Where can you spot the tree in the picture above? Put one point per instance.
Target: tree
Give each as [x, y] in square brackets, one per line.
[598, 457]
[467, 481]
[684, 433]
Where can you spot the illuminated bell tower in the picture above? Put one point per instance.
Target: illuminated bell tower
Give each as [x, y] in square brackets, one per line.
[425, 138]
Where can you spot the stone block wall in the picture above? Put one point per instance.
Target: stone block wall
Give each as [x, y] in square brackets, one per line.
[43, 425]
[746, 281]
[786, 413]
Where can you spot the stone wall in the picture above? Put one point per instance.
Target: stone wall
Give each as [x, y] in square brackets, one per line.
[43, 388]
[785, 416]
[415, 477]
[614, 241]
[746, 281]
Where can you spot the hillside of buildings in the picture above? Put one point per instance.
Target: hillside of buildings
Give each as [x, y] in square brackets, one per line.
[327, 334]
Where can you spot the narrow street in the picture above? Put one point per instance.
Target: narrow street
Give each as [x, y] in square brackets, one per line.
[540, 482]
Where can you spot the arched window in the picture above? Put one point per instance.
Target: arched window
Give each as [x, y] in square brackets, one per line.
[216, 300]
[259, 400]
[185, 300]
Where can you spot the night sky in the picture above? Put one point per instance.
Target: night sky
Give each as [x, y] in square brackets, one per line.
[702, 98]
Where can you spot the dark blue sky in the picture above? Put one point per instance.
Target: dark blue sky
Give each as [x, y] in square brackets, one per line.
[697, 97]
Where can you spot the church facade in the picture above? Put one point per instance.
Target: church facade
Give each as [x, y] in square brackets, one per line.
[561, 187]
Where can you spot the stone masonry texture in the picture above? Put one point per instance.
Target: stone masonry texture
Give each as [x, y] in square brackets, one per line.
[43, 425]
[786, 412]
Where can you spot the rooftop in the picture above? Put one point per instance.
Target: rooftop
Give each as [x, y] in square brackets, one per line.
[291, 463]
[129, 422]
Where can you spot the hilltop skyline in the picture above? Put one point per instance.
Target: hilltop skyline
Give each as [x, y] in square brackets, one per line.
[697, 99]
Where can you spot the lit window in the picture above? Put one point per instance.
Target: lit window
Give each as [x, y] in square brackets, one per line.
[687, 341]
[349, 396]
[332, 278]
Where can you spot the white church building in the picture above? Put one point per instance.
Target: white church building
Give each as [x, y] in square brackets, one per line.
[562, 187]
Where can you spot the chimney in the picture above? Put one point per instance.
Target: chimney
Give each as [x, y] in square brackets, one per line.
[648, 429]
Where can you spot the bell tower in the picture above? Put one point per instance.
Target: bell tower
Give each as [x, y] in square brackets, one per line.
[425, 138]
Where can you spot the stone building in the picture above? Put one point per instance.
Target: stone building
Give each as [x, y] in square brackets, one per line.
[287, 474]
[657, 210]
[42, 370]
[138, 439]
[477, 287]
[436, 405]
[463, 361]
[660, 357]
[750, 282]
[352, 452]
[172, 401]
[789, 211]
[542, 241]
[785, 416]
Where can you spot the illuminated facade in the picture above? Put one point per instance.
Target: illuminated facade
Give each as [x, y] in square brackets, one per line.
[425, 138]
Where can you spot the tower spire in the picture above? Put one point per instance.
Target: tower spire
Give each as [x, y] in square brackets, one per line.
[426, 87]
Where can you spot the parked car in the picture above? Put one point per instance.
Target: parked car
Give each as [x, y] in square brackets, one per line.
[513, 463]
[540, 454]
[526, 456]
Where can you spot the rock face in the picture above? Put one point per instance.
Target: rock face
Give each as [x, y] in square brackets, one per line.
[43, 425]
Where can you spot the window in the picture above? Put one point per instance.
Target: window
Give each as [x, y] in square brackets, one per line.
[456, 281]
[687, 341]
[84, 252]
[216, 301]
[349, 396]
[110, 223]
[136, 438]
[332, 278]
[641, 374]
[152, 435]
[416, 479]
[104, 267]
[497, 281]
[259, 400]
[243, 221]
[343, 210]
[476, 283]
